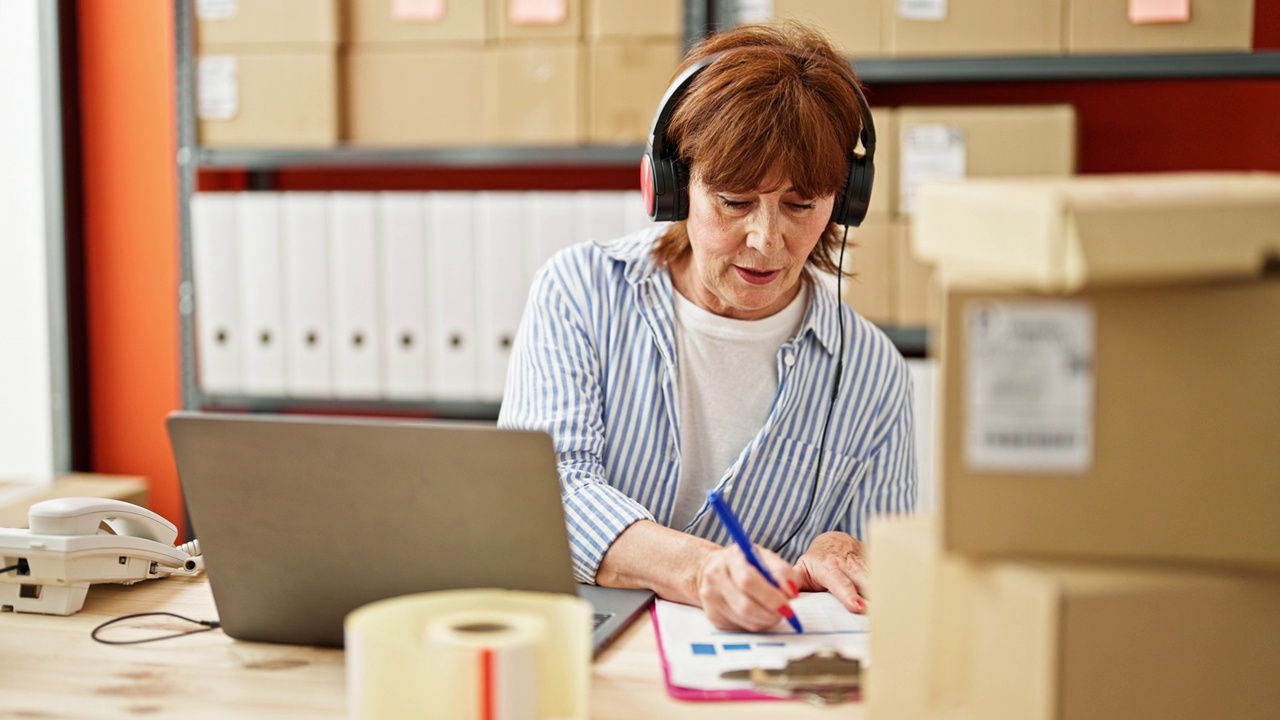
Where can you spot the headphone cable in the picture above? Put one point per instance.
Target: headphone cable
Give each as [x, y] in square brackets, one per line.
[835, 390]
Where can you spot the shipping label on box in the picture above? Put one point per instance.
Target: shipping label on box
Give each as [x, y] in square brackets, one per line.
[1029, 400]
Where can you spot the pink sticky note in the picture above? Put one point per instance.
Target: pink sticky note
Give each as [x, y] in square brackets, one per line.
[428, 10]
[1143, 12]
[537, 12]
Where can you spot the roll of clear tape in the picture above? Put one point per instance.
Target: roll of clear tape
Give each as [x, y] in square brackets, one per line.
[469, 654]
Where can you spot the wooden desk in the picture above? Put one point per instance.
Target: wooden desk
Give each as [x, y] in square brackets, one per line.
[50, 668]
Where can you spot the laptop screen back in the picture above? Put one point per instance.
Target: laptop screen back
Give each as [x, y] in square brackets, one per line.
[302, 520]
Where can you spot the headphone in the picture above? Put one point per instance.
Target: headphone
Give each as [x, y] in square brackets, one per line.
[664, 179]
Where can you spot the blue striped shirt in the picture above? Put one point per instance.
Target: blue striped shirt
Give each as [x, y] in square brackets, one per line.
[594, 365]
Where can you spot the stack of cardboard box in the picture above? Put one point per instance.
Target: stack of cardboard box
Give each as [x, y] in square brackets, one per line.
[266, 73]
[433, 74]
[1107, 542]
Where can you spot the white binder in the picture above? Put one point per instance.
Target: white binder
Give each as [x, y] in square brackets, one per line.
[213, 251]
[258, 245]
[451, 295]
[404, 294]
[353, 276]
[600, 215]
[634, 215]
[308, 342]
[549, 220]
[501, 284]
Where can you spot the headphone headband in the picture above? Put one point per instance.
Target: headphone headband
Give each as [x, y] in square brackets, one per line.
[664, 178]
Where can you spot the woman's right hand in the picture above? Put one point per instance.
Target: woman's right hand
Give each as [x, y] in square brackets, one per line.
[735, 596]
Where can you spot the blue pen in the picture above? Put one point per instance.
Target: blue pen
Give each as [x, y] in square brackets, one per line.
[740, 536]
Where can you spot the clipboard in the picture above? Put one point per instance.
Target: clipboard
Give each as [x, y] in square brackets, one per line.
[824, 665]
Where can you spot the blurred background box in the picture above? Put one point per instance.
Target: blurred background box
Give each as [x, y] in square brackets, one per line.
[1065, 233]
[956, 637]
[1109, 26]
[1119, 423]
[884, 191]
[625, 83]
[950, 143]
[535, 19]
[870, 291]
[916, 300]
[533, 93]
[415, 21]
[938, 28]
[255, 97]
[425, 97]
[266, 22]
[854, 25]
[621, 20]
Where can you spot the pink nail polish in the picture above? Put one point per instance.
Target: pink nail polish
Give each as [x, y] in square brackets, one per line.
[857, 602]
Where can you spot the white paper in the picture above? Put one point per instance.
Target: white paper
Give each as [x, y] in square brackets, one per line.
[754, 11]
[217, 87]
[929, 152]
[697, 652]
[1029, 386]
[217, 9]
[922, 9]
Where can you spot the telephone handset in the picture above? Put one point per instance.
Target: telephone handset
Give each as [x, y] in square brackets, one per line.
[74, 542]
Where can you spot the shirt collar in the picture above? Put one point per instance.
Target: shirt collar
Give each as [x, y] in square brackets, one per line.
[635, 252]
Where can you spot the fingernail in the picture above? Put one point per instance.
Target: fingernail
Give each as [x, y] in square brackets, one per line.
[857, 602]
[786, 612]
[792, 587]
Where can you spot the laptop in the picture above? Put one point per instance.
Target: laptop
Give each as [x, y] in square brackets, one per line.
[303, 519]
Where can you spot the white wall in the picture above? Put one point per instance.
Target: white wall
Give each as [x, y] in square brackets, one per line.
[32, 315]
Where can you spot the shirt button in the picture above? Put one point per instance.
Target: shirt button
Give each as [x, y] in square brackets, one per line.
[788, 359]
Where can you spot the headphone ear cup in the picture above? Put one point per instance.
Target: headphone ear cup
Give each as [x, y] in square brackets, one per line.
[854, 199]
[680, 190]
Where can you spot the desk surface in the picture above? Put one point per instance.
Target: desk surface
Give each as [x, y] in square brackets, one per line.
[50, 668]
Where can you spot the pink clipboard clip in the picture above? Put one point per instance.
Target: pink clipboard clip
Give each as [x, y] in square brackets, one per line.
[818, 678]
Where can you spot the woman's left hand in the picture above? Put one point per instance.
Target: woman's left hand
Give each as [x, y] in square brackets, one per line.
[836, 562]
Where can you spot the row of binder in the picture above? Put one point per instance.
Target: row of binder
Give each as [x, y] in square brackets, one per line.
[387, 295]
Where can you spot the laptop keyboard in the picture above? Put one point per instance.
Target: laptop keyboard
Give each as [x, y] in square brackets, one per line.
[598, 619]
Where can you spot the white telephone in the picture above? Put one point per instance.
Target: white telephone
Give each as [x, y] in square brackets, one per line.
[49, 567]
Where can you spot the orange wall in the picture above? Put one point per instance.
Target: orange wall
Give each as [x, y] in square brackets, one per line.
[128, 141]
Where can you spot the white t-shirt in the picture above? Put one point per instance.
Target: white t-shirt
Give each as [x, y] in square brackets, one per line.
[726, 381]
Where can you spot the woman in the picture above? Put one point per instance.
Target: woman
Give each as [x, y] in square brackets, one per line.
[705, 354]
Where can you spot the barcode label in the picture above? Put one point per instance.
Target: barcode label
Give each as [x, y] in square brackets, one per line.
[1029, 384]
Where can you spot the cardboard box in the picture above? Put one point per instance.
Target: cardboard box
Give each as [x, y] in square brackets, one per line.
[255, 98]
[870, 290]
[854, 25]
[533, 93]
[950, 143]
[1134, 423]
[396, 21]
[222, 23]
[1106, 26]
[884, 190]
[916, 300]
[631, 20]
[415, 97]
[535, 19]
[625, 82]
[917, 28]
[1064, 234]
[953, 637]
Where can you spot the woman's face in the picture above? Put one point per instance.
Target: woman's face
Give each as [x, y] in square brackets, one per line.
[749, 249]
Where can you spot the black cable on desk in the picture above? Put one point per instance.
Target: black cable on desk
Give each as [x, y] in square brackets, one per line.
[208, 625]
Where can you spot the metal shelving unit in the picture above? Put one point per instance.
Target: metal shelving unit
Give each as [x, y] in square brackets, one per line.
[1071, 67]
[357, 157]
